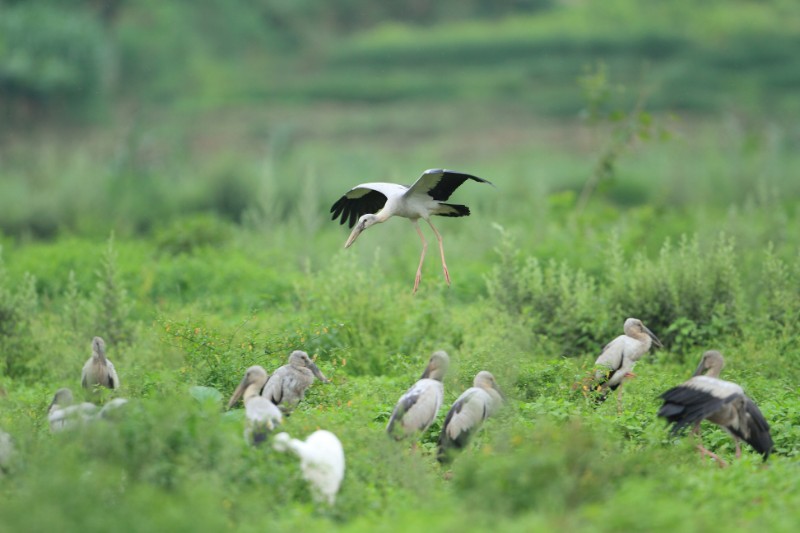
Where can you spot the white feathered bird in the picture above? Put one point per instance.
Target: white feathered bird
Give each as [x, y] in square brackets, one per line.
[467, 414]
[706, 397]
[261, 414]
[99, 370]
[619, 356]
[417, 408]
[372, 203]
[321, 460]
[64, 413]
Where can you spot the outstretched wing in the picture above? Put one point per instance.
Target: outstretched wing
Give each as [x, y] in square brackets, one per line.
[439, 183]
[363, 199]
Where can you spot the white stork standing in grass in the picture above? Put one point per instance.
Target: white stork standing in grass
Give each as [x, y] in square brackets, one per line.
[262, 415]
[321, 460]
[99, 370]
[370, 203]
[619, 356]
[467, 414]
[417, 408]
[706, 397]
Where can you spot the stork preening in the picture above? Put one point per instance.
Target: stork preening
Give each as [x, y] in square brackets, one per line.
[321, 460]
[706, 397]
[417, 408]
[467, 414]
[371, 203]
[260, 413]
[287, 385]
[64, 413]
[99, 370]
[619, 356]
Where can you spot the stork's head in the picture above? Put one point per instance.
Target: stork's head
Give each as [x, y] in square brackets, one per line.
[255, 378]
[485, 380]
[363, 223]
[711, 364]
[437, 366]
[635, 328]
[98, 347]
[62, 398]
[299, 359]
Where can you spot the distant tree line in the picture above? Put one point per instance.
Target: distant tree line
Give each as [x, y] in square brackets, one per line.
[73, 57]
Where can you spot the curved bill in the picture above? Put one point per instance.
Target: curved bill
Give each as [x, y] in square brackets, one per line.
[317, 372]
[357, 229]
[700, 368]
[653, 336]
[238, 392]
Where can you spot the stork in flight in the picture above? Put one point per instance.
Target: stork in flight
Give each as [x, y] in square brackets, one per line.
[706, 397]
[370, 203]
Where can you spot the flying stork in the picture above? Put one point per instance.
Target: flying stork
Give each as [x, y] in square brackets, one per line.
[619, 356]
[370, 203]
[706, 397]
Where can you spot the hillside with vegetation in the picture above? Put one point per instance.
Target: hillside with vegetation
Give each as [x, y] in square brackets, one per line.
[166, 175]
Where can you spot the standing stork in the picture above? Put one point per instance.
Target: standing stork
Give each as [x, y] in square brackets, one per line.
[619, 356]
[321, 460]
[370, 203]
[261, 414]
[706, 397]
[467, 414]
[99, 370]
[287, 385]
[417, 408]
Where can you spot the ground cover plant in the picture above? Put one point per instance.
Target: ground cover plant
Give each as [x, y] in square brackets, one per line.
[196, 240]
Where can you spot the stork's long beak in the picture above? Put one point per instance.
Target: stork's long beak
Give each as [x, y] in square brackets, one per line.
[317, 372]
[499, 391]
[357, 229]
[653, 336]
[238, 392]
[427, 372]
[700, 368]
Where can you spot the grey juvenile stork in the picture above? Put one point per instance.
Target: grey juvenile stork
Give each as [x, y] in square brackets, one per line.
[321, 460]
[370, 203]
[64, 413]
[467, 414]
[261, 414]
[287, 385]
[706, 397]
[99, 370]
[619, 356]
[417, 408]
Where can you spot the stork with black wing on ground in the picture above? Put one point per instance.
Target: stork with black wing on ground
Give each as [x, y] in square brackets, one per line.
[368, 204]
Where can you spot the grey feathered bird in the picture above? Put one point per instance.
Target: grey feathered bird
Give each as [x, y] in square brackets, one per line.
[287, 385]
[706, 397]
[417, 408]
[99, 370]
[467, 414]
[260, 413]
[619, 356]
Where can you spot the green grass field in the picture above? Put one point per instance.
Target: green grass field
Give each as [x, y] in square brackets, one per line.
[194, 236]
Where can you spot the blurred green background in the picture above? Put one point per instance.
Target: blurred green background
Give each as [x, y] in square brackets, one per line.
[166, 173]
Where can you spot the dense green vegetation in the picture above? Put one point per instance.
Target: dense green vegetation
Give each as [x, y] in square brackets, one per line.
[174, 200]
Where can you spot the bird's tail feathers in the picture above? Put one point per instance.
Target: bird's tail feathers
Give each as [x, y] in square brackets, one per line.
[452, 210]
